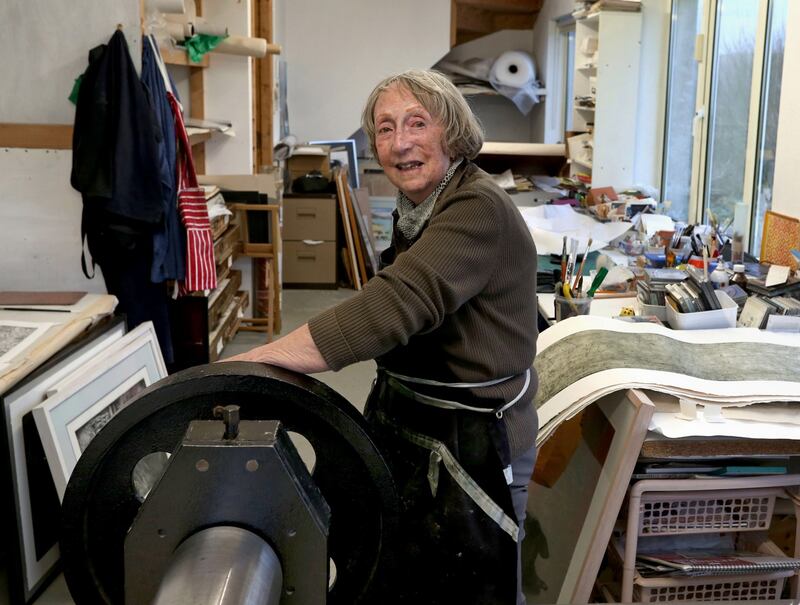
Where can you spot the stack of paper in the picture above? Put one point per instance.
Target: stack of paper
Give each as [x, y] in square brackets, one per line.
[582, 359]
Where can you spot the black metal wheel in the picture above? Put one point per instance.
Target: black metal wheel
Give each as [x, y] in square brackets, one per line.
[101, 502]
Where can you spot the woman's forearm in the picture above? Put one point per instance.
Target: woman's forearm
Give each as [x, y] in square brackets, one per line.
[295, 351]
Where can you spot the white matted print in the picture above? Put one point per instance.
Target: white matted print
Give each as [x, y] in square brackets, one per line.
[16, 336]
[36, 543]
[79, 408]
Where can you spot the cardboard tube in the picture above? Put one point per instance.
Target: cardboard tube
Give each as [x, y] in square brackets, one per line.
[179, 31]
[209, 29]
[239, 45]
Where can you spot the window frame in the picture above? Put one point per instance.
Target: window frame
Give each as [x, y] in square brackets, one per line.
[705, 48]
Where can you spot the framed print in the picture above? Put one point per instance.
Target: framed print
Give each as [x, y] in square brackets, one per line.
[32, 526]
[16, 336]
[76, 410]
[349, 145]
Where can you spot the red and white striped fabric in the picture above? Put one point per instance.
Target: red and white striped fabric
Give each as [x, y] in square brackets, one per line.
[201, 271]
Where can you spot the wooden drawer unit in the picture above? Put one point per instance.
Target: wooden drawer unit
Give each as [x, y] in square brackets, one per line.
[309, 240]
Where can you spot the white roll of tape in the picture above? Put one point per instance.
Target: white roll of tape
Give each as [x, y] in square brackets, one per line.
[513, 68]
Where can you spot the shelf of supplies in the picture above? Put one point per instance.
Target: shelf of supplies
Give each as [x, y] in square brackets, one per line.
[178, 56]
[586, 109]
[589, 67]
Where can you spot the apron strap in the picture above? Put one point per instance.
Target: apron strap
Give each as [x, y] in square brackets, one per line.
[448, 404]
[440, 453]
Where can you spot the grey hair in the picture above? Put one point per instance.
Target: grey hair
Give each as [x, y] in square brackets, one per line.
[463, 134]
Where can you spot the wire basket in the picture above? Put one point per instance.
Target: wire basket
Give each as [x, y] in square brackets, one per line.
[703, 512]
[762, 587]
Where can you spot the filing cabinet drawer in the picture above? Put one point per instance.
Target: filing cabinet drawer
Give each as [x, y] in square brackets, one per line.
[305, 263]
[311, 218]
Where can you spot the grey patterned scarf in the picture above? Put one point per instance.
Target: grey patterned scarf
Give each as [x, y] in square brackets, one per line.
[413, 216]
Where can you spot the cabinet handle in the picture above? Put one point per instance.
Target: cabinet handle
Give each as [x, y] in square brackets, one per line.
[311, 213]
[306, 257]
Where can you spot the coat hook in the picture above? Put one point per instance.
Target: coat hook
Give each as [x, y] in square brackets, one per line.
[119, 26]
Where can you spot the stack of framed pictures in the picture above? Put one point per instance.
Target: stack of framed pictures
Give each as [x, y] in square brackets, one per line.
[50, 417]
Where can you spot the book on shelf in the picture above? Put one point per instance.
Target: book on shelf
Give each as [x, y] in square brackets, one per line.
[712, 562]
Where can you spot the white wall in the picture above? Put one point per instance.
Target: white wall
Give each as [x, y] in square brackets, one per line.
[787, 153]
[45, 45]
[338, 51]
[39, 211]
[229, 93]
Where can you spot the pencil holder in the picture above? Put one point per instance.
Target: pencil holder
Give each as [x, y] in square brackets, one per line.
[570, 307]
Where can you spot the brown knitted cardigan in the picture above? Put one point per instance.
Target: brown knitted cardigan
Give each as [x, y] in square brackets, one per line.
[457, 305]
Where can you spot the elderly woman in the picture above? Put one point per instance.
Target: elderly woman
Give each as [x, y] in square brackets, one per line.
[451, 321]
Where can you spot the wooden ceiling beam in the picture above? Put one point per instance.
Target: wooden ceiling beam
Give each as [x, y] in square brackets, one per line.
[514, 21]
[503, 6]
[474, 20]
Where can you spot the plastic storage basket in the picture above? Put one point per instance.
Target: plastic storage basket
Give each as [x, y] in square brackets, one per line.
[703, 512]
[761, 587]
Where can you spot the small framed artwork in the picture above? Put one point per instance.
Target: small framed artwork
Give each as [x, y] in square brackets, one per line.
[77, 409]
[32, 537]
[17, 336]
[781, 234]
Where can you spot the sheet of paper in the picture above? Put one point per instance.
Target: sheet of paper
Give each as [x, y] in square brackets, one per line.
[777, 274]
[657, 222]
[673, 427]
[505, 180]
[549, 223]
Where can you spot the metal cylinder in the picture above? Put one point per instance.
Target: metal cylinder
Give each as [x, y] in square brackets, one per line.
[222, 566]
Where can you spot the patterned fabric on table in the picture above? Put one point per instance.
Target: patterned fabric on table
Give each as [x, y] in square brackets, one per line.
[201, 273]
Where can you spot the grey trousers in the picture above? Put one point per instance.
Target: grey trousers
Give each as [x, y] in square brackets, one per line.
[521, 469]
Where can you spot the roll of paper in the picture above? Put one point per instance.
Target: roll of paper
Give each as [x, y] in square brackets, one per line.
[179, 31]
[239, 45]
[209, 29]
[166, 6]
[513, 68]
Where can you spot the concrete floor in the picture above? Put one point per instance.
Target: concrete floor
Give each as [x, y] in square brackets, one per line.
[352, 382]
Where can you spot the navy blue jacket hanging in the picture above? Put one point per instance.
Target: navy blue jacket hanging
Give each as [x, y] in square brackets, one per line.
[169, 242]
[115, 156]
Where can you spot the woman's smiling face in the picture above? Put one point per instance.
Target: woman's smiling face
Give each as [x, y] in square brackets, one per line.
[409, 142]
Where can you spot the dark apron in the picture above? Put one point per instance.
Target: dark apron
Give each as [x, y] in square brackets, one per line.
[449, 549]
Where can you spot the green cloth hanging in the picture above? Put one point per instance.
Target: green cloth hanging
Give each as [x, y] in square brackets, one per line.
[199, 44]
[73, 95]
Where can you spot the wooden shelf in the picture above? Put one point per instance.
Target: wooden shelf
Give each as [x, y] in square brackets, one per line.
[199, 137]
[174, 56]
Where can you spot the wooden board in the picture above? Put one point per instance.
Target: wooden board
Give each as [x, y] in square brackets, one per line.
[629, 414]
[36, 136]
[351, 261]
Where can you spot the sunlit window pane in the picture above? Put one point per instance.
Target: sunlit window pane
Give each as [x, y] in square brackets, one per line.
[570, 70]
[686, 20]
[768, 117]
[732, 71]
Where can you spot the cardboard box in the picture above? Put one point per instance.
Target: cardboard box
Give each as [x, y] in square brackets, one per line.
[307, 217]
[308, 159]
[309, 264]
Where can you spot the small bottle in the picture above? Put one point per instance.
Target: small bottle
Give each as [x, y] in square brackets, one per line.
[739, 278]
[719, 276]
